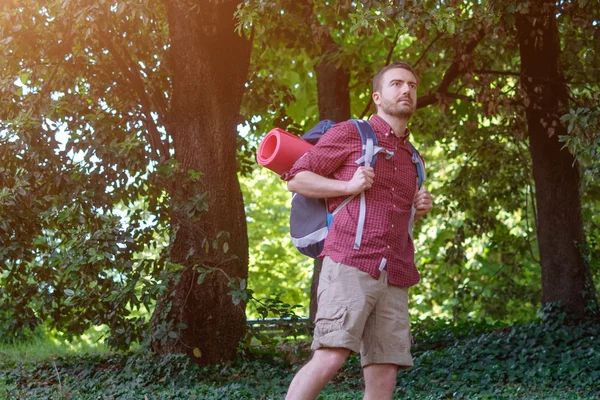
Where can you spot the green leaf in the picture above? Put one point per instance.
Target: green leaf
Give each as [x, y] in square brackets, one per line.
[451, 26]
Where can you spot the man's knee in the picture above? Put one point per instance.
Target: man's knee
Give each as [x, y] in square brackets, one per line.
[380, 377]
[331, 359]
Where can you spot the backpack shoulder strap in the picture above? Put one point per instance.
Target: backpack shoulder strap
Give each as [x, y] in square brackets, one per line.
[368, 139]
[419, 164]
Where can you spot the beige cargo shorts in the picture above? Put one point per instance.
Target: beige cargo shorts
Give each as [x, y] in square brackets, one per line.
[362, 314]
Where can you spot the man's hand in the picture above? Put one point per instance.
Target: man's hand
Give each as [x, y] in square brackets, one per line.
[423, 201]
[361, 180]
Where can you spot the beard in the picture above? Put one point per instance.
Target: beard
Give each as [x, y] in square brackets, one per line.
[398, 109]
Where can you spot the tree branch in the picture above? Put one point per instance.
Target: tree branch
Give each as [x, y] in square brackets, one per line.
[453, 72]
[156, 143]
[161, 110]
[492, 72]
[387, 62]
[439, 35]
[153, 99]
[459, 96]
[46, 89]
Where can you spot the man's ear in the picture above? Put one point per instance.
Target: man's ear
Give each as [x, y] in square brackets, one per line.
[376, 98]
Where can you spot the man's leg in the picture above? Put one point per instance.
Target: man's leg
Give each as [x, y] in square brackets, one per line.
[323, 365]
[380, 381]
[386, 341]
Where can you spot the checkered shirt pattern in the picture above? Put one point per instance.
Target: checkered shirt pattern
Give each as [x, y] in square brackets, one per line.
[388, 201]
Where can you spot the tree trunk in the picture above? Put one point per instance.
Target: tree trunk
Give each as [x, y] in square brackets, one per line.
[314, 289]
[209, 64]
[565, 277]
[333, 91]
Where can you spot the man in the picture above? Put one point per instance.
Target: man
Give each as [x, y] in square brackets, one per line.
[363, 294]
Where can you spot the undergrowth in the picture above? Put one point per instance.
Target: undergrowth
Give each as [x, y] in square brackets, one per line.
[549, 359]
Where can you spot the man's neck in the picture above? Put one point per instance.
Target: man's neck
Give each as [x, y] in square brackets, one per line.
[398, 124]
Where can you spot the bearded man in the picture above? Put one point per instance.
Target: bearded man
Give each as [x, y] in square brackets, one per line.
[363, 293]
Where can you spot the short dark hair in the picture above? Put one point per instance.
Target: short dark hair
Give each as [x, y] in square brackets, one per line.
[379, 75]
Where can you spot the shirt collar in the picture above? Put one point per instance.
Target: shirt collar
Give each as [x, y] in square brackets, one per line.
[380, 124]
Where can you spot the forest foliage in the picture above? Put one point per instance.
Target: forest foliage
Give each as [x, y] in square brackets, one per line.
[541, 360]
[84, 189]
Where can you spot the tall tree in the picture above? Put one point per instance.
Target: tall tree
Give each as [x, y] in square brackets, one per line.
[333, 94]
[565, 277]
[209, 68]
[123, 131]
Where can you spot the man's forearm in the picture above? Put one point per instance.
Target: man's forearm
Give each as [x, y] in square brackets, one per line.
[310, 184]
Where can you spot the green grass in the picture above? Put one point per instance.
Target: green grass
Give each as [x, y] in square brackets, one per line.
[542, 360]
[41, 348]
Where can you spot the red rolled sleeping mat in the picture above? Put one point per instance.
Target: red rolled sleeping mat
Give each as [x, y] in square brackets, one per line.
[279, 150]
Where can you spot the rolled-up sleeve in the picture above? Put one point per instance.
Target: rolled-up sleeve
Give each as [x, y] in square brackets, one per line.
[328, 154]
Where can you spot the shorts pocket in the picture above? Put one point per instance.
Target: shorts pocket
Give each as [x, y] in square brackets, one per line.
[330, 319]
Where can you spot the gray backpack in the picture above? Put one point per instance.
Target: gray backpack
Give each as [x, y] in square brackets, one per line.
[309, 217]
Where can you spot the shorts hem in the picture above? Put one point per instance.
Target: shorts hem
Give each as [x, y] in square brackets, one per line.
[337, 339]
[402, 360]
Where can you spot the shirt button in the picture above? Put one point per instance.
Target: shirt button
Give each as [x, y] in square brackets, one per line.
[392, 225]
[394, 206]
[388, 247]
[395, 169]
[392, 189]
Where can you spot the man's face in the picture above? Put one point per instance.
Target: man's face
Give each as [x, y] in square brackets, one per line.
[398, 94]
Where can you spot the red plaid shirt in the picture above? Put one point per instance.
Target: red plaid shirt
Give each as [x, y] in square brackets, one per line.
[389, 201]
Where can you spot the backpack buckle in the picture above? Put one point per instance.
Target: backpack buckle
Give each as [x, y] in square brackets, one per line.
[415, 158]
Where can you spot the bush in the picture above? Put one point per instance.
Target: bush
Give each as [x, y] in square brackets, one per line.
[552, 358]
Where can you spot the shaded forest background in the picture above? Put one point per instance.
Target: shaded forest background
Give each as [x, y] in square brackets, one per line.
[130, 198]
